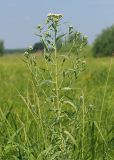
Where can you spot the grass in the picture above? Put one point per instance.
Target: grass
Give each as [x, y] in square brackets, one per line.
[90, 137]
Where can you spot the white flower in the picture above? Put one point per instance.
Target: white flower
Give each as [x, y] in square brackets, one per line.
[70, 26]
[55, 15]
[30, 48]
[49, 14]
[26, 53]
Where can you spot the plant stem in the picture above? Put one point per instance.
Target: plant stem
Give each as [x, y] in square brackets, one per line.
[56, 83]
[56, 77]
[83, 127]
[41, 123]
[105, 90]
[57, 95]
[39, 112]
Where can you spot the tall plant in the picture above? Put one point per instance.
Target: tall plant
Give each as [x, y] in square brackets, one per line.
[54, 87]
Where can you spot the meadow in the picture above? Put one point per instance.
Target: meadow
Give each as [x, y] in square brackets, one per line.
[21, 127]
[58, 104]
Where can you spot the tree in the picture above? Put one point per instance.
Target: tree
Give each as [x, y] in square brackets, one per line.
[104, 43]
[38, 47]
[1, 48]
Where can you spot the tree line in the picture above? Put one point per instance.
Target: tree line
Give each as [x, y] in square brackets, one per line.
[103, 44]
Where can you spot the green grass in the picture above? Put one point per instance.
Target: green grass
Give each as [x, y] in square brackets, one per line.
[20, 132]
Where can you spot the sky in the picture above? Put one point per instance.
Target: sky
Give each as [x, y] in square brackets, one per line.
[19, 18]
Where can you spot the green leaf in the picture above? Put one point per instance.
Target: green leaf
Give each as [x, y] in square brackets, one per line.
[59, 37]
[15, 134]
[45, 45]
[45, 152]
[48, 82]
[71, 104]
[66, 89]
[15, 158]
[38, 35]
[55, 155]
[99, 130]
[71, 138]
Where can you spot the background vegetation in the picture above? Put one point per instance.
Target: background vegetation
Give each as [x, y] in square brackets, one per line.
[1, 47]
[104, 43]
[18, 131]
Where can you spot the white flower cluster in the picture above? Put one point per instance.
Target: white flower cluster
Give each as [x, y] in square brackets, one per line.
[30, 48]
[55, 15]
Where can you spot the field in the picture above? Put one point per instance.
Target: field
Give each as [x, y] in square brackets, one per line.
[25, 135]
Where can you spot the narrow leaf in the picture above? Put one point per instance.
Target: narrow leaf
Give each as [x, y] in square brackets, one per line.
[71, 138]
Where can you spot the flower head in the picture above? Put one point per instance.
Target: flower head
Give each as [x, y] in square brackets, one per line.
[54, 17]
[30, 48]
[26, 54]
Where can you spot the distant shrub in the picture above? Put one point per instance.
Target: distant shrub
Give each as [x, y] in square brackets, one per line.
[38, 47]
[1, 48]
[104, 43]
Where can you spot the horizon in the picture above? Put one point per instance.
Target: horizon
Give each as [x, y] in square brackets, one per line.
[19, 19]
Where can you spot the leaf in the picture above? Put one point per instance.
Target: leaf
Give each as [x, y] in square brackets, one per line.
[99, 131]
[15, 134]
[55, 155]
[59, 37]
[48, 82]
[64, 56]
[71, 104]
[71, 137]
[38, 35]
[48, 41]
[31, 157]
[15, 158]
[66, 89]
[9, 147]
[45, 152]
[9, 112]
[45, 45]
